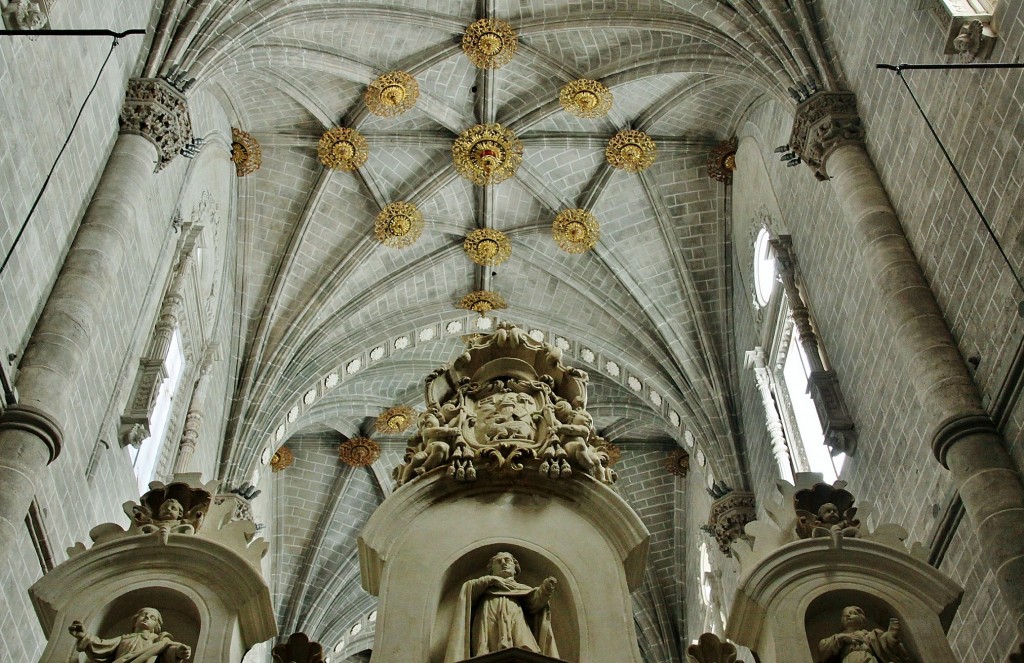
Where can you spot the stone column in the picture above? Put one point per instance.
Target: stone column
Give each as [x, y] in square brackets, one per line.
[154, 125]
[780, 450]
[827, 131]
[194, 418]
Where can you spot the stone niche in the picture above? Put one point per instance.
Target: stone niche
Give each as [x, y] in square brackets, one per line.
[183, 555]
[812, 560]
[505, 459]
[432, 535]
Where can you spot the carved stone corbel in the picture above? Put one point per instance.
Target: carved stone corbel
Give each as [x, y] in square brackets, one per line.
[823, 123]
[729, 516]
[156, 111]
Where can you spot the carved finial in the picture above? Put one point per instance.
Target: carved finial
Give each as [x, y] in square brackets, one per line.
[298, 649]
[709, 649]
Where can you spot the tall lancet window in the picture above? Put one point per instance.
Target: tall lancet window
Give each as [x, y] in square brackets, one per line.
[145, 457]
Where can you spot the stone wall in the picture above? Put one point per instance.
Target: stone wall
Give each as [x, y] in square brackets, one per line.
[977, 115]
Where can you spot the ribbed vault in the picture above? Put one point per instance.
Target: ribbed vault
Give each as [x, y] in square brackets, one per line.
[334, 327]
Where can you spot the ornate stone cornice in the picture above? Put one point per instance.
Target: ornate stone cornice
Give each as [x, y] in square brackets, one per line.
[823, 123]
[33, 420]
[156, 111]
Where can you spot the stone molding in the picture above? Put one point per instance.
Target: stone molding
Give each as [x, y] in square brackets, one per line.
[955, 429]
[156, 111]
[823, 123]
[36, 422]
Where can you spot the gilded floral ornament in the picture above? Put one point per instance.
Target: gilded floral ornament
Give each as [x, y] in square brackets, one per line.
[490, 43]
[395, 419]
[392, 94]
[398, 225]
[575, 230]
[282, 459]
[486, 246]
[722, 161]
[678, 463]
[342, 149]
[358, 451]
[586, 98]
[631, 150]
[487, 154]
[482, 301]
[245, 152]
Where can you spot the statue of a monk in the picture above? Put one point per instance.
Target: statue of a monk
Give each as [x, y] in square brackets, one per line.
[147, 643]
[857, 643]
[495, 612]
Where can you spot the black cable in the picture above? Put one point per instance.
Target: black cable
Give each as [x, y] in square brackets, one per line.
[963, 183]
[71, 33]
[35, 203]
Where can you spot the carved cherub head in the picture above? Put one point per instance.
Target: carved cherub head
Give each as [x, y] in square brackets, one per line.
[171, 509]
[828, 514]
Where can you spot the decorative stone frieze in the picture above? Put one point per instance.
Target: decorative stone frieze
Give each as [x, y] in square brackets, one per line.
[506, 404]
[156, 111]
[298, 649]
[709, 649]
[729, 516]
[245, 152]
[823, 123]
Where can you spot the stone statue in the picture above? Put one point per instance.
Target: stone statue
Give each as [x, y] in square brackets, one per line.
[147, 643]
[859, 644]
[170, 518]
[495, 612]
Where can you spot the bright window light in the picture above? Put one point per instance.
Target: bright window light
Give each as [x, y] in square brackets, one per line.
[145, 458]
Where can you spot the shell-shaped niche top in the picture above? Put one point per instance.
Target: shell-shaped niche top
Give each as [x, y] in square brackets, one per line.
[183, 507]
[505, 405]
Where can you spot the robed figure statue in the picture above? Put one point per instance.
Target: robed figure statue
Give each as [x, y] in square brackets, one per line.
[858, 643]
[147, 643]
[495, 612]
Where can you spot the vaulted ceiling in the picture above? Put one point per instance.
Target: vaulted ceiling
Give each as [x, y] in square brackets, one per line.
[335, 326]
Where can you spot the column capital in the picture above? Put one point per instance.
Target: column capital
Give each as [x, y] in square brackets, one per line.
[156, 111]
[954, 429]
[822, 124]
[33, 420]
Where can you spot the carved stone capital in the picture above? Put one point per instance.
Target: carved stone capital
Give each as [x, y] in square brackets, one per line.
[156, 111]
[729, 515]
[32, 420]
[823, 123]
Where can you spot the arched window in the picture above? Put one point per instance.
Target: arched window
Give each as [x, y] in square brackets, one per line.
[764, 268]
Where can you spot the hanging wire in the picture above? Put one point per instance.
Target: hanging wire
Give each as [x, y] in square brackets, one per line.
[67, 141]
[899, 69]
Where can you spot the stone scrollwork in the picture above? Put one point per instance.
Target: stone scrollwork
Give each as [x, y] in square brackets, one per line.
[507, 403]
[823, 123]
[156, 111]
